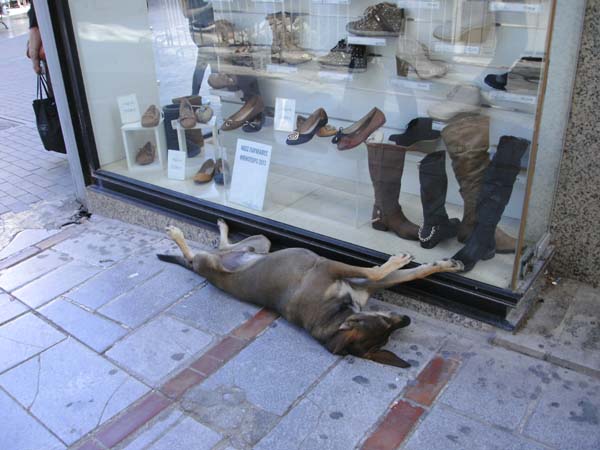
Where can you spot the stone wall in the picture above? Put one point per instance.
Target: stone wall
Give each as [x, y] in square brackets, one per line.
[575, 220]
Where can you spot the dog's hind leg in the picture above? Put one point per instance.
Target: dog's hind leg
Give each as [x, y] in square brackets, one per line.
[341, 270]
[256, 244]
[177, 235]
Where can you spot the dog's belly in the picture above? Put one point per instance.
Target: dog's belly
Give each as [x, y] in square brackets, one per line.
[342, 289]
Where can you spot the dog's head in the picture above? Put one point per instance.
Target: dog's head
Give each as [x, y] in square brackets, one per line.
[363, 334]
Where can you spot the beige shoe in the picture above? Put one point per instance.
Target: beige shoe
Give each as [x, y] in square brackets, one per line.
[204, 113]
[472, 24]
[223, 81]
[462, 99]
[146, 154]
[187, 118]
[412, 53]
[151, 117]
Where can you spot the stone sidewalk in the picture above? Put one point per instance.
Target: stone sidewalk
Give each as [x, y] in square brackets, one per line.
[103, 346]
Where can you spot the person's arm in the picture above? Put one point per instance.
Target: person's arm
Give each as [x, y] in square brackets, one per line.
[34, 44]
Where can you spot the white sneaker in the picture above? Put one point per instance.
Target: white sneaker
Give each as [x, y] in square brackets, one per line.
[462, 99]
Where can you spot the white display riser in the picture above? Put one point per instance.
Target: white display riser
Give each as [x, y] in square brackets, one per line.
[135, 136]
[321, 157]
[320, 204]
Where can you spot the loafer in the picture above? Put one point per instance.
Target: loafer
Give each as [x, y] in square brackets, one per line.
[252, 108]
[308, 128]
[187, 118]
[151, 117]
[358, 132]
[206, 172]
[419, 135]
[204, 113]
[146, 154]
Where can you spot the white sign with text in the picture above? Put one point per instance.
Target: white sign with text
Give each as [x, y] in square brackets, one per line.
[250, 174]
[129, 108]
[285, 112]
[176, 164]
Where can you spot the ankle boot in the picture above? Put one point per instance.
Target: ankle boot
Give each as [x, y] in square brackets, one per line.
[284, 47]
[495, 193]
[467, 140]
[385, 167]
[434, 184]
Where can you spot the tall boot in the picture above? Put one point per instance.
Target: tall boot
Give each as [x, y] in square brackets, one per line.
[495, 193]
[385, 167]
[467, 140]
[434, 184]
[284, 47]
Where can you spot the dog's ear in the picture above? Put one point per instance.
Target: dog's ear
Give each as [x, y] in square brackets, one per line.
[387, 357]
[338, 343]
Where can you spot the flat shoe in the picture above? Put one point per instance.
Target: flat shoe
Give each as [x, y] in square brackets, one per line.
[255, 124]
[187, 118]
[358, 132]
[151, 117]
[146, 154]
[204, 113]
[308, 128]
[206, 172]
[252, 108]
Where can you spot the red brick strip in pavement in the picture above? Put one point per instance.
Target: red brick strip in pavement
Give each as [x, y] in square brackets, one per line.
[401, 419]
[115, 431]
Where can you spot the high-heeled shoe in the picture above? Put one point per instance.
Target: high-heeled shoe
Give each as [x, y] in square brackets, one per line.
[412, 53]
[419, 135]
[309, 128]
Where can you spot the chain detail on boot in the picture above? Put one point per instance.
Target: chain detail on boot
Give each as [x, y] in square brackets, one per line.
[495, 193]
[386, 167]
[434, 184]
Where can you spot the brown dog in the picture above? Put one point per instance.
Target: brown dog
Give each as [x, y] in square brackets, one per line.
[322, 296]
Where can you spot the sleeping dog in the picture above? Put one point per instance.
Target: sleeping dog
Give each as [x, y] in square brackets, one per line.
[322, 296]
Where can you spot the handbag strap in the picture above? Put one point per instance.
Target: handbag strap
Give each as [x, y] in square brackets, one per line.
[42, 86]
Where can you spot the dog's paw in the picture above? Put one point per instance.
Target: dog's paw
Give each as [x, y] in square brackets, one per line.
[222, 224]
[450, 265]
[401, 260]
[174, 232]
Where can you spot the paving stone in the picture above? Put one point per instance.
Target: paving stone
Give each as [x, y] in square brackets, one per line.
[98, 248]
[31, 269]
[568, 413]
[227, 409]
[152, 297]
[93, 330]
[350, 399]
[10, 308]
[501, 385]
[397, 424]
[445, 429]
[24, 239]
[115, 281]
[23, 338]
[211, 309]
[154, 431]
[187, 435]
[71, 389]
[159, 348]
[278, 367]
[20, 431]
[55, 283]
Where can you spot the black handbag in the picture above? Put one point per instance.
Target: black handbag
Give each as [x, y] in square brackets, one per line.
[46, 118]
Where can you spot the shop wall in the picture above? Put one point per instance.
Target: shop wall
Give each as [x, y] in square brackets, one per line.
[575, 227]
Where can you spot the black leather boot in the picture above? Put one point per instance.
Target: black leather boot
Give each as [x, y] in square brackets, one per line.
[434, 184]
[495, 193]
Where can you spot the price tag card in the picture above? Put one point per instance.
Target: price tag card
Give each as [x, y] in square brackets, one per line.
[338, 76]
[361, 40]
[332, 2]
[459, 49]
[410, 84]
[517, 98]
[276, 68]
[516, 7]
[437, 125]
[176, 164]
[415, 4]
[129, 109]
[250, 174]
[285, 111]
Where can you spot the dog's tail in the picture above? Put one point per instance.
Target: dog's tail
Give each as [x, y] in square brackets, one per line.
[179, 260]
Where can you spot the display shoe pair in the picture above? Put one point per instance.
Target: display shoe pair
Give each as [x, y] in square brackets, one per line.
[496, 189]
[352, 58]
[386, 165]
[285, 46]
[434, 185]
[151, 117]
[461, 99]
[250, 111]
[382, 19]
[308, 128]
[412, 53]
[471, 25]
[223, 81]
[146, 154]
[467, 141]
[358, 132]
[211, 170]
[419, 136]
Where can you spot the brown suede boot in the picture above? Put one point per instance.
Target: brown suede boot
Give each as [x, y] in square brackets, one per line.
[467, 138]
[386, 167]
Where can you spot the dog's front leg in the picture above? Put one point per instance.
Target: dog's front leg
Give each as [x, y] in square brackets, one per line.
[177, 235]
[403, 276]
